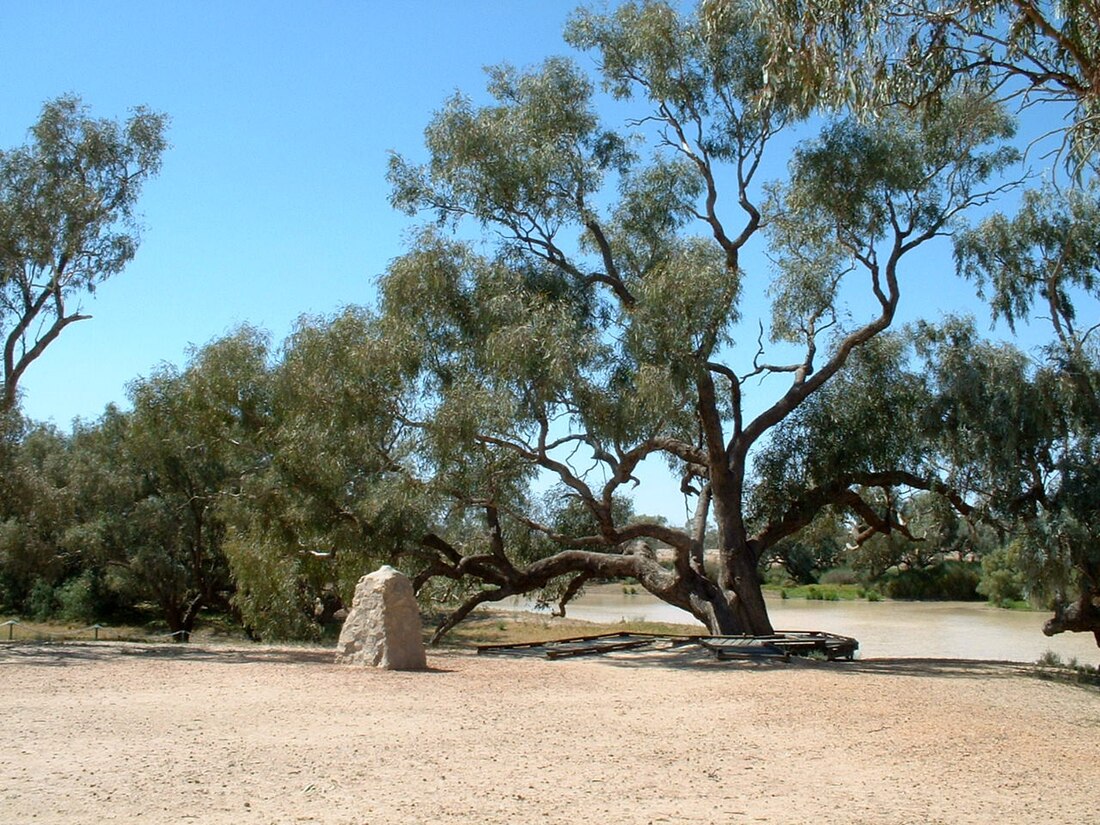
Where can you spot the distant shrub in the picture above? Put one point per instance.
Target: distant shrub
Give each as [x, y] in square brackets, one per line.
[959, 581]
[40, 603]
[79, 599]
[776, 574]
[1050, 659]
[822, 593]
[840, 575]
[1002, 582]
[950, 581]
[1071, 671]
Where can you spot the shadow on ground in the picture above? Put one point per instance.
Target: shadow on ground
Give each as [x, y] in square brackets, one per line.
[680, 658]
[66, 654]
[71, 653]
[696, 659]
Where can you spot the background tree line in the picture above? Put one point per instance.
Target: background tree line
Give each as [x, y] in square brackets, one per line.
[237, 487]
[578, 304]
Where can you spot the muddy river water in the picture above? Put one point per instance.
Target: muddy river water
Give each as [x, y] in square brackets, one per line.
[886, 629]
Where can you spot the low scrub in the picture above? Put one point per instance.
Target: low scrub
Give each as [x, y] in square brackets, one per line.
[1052, 666]
[819, 592]
[949, 581]
[492, 627]
[840, 575]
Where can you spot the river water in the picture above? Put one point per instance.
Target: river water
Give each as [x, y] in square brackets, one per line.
[886, 629]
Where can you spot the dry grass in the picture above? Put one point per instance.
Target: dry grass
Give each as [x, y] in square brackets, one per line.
[488, 627]
[519, 628]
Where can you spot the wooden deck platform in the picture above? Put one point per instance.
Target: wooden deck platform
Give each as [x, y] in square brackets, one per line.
[782, 644]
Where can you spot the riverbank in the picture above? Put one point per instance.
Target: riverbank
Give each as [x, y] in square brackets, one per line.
[885, 629]
[253, 734]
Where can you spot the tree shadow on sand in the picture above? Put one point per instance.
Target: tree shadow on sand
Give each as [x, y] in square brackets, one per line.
[76, 653]
[695, 659]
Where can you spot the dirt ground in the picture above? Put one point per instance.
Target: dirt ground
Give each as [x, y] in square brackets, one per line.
[212, 734]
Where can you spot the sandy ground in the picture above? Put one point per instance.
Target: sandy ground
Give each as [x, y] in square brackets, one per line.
[158, 734]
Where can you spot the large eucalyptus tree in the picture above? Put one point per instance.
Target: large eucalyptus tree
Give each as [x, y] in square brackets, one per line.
[1041, 266]
[583, 303]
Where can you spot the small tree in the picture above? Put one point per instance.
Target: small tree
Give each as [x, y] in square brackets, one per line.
[67, 222]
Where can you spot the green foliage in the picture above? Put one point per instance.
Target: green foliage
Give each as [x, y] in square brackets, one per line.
[860, 182]
[82, 599]
[689, 64]
[41, 603]
[326, 501]
[861, 176]
[33, 516]
[525, 155]
[1048, 251]
[827, 594]
[871, 54]
[1002, 581]
[866, 420]
[815, 549]
[1029, 433]
[188, 445]
[821, 592]
[570, 517]
[949, 581]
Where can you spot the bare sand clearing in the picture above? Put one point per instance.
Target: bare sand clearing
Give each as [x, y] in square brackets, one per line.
[211, 734]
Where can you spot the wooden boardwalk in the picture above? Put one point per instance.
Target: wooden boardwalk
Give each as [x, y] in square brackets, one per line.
[782, 644]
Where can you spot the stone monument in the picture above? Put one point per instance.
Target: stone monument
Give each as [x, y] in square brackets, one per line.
[383, 626]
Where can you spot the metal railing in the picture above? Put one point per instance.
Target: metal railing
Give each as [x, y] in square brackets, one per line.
[79, 634]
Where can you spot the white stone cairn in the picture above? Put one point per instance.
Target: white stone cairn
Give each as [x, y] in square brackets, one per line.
[383, 626]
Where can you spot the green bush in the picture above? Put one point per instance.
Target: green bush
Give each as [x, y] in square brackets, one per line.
[840, 575]
[8, 602]
[950, 581]
[40, 604]
[822, 593]
[1002, 582]
[79, 599]
[776, 574]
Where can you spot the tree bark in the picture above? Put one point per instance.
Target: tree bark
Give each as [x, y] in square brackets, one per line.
[1082, 616]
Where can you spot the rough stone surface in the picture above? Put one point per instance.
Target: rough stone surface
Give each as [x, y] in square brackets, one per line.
[383, 626]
